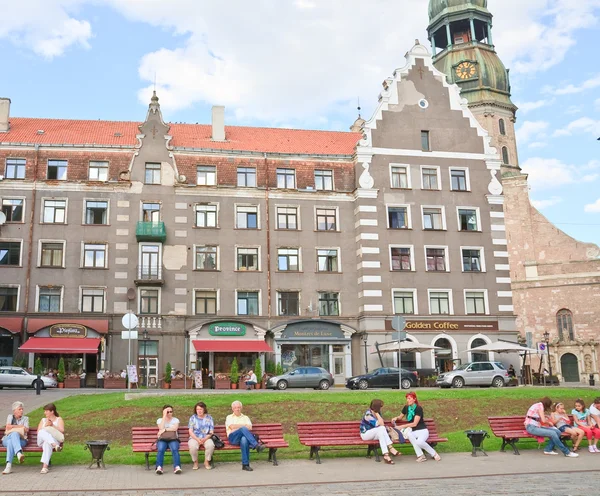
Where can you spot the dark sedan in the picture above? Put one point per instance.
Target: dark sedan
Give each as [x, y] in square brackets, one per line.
[382, 378]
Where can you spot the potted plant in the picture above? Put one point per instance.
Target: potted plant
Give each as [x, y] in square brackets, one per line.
[258, 372]
[38, 368]
[279, 369]
[167, 378]
[72, 381]
[234, 375]
[222, 381]
[60, 376]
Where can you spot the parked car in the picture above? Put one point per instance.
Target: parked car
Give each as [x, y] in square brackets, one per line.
[475, 374]
[302, 377]
[19, 377]
[382, 378]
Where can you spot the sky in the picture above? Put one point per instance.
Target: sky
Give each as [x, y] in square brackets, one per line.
[304, 64]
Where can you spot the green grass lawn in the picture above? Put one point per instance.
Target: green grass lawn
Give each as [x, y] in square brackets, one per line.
[109, 416]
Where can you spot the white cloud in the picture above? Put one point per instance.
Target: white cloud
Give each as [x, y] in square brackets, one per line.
[584, 125]
[571, 89]
[551, 173]
[593, 207]
[540, 204]
[530, 130]
[537, 144]
[526, 107]
[574, 109]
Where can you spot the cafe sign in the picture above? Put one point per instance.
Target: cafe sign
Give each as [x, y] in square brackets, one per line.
[312, 330]
[227, 329]
[68, 331]
[447, 325]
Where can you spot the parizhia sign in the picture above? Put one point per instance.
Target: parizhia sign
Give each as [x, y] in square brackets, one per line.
[227, 329]
[68, 331]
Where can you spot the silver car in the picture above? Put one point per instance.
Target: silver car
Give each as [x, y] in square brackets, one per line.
[475, 374]
[18, 377]
[302, 377]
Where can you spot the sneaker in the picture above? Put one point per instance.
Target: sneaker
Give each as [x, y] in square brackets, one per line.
[7, 470]
[177, 470]
[20, 457]
[591, 449]
[550, 453]
[159, 470]
[596, 449]
[260, 447]
[247, 468]
[571, 455]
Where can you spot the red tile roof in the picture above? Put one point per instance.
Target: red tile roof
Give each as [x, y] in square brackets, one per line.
[255, 139]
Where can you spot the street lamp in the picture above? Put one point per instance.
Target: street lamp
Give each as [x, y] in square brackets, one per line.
[145, 339]
[364, 337]
[547, 340]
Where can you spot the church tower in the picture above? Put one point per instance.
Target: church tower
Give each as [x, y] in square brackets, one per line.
[460, 33]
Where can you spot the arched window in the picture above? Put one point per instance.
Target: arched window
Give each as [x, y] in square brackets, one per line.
[564, 323]
[505, 155]
[502, 127]
[481, 356]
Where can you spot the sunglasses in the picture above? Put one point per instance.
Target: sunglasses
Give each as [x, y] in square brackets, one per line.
[169, 411]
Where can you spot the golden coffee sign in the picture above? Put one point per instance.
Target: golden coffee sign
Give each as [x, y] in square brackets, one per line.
[447, 325]
[68, 331]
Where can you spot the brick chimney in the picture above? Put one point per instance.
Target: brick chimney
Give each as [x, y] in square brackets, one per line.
[218, 123]
[4, 114]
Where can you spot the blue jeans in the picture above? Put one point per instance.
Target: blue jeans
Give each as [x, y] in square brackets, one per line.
[246, 441]
[552, 434]
[162, 446]
[13, 444]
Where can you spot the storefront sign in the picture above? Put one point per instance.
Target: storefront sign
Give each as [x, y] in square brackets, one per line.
[446, 325]
[313, 330]
[68, 331]
[227, 329]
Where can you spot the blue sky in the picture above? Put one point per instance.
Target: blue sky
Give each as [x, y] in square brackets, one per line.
[303, 63]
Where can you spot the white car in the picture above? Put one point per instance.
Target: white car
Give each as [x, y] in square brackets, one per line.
[19, 377]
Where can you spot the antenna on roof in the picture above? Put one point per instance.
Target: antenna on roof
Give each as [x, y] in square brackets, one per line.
[358, 108]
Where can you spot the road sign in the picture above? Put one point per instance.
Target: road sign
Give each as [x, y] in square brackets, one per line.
[129, 335]
[542, 348]
[398, 323]
[130, 321]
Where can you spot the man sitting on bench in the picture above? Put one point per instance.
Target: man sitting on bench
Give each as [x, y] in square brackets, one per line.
[238, 427]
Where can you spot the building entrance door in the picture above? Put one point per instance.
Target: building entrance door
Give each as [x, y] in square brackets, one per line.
[569, 367]
[148, 371]
[339, 364]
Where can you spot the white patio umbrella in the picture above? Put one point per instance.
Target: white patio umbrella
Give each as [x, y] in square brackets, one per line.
[503, 347]
[406, 346]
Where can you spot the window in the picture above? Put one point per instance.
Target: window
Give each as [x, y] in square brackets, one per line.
[149, 301]
[94, 256]
[329, 304]
[288, 259]
[458, 180]
[247, 303]
[96, 212]
[430, 177]
[324, 180]
[55, 211]
[151, 212]
[13, 209]
[287, 218]
[433, 218]
[15, 168]
[475, 302]
[425, 146]
[206, 302]
[327, 260]
[401, 258]
[502, 127]
[247, 217]
[92, 300]
[206, 175]
[52, 255]
[98, 171]
[398, 217]
[404, 302]
[57, 169]
[247, 259]
[286, 178]
[246, 177]
[49, 299]
[288, 303]
[505, 158]
[150, 267]
[400, 177]
[471, 260]
[206, 257]
[206, 215]
[9, 298]
[467, 219]
[564, 323]
[326, 219]
[10, 253]
[439, 302]
[436, 259]
[152, 173]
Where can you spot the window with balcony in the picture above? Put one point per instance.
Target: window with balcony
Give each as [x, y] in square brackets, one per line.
[287, 218]
[206, 302]
[9, 298]
[439, 302]
[98, 171]
[430, 177]
[288, 259]
[206, 175]
[288, 303]
[246, 217]
[327, 260]
[286, 178]
[467, 219]
[150, 212]
[152, 175]
[247, 259]
[92, 300]
[10, 253]
[329, 304]
[247, 303]
[206, 215]
[57, 169]
[398, 217]
[401, 258]
[436, 259]
[49, 299]
[324, 180]
[55, 211]
[400, 177]
[246, 177]
[206, 257]
[326, 219]
[13, 209]
[404, 302]
[52, 254]
[96, 212]
[149, 301]
[94, 256]
[433, 218]
[15, 168]
[475, 302]
[458, 180]
[471, 260]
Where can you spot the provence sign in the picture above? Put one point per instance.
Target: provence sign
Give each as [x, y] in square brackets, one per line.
[68, 331]
[227, 329]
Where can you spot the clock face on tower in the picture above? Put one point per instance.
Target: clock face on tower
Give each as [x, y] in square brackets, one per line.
[465, 70]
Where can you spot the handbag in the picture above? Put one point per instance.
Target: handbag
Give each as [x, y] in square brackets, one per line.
[168, 436]
[21, 430]
[396, 435]
[217, 441]
[55, 433]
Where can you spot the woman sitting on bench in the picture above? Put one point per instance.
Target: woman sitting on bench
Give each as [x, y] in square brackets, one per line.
[373, 427]
[50, 434]
[536, 422]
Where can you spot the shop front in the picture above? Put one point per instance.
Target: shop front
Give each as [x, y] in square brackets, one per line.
[216, 344]
[315, 343]
[10, 328]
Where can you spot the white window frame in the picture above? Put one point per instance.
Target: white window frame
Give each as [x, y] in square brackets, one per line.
[253, 290]
[24, 200]
[82, 257]
[18, 286]
[80, 302]
[438, 174]
[235, 213]
[160, 209]
[107, 170]
[16, 170]
[467, 178]
[218, 267]
[299, 248]
[408, 215]
[246, 167]
[277, 296]
[85, 200]
[408, 175]
[160, 255]
[477, 215]
[415, 301]
[259, 253]
[443, 213]
[286, 175]
[139, 300]
[214, 167]
[39, 257]
[339, 259]
[205, 204]
[481, 260]
[160, 174]
[412, 257]
[327, 207]
[37, 296]
[298, 217]
[446, 257]
[218, 293]
[43, 204]
[485, 300]
[450, 300]
[15, 240]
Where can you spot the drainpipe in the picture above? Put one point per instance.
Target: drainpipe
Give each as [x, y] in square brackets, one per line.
[268, 228]
[33, 209]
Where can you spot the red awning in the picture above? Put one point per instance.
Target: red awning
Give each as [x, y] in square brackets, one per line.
[232, 345]
[34, 325]
[61, 345]
[11, 324]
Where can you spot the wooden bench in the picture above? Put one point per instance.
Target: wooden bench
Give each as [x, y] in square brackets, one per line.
[144, 439]
[511, 429]
[319, 434]
[30, 447]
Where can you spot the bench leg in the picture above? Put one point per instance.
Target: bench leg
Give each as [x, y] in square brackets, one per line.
[273, 456]
[373, 449]
[147, 461]
[512, 443]
[314, 451]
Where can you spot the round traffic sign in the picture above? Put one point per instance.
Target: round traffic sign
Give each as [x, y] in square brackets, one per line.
[130, 321]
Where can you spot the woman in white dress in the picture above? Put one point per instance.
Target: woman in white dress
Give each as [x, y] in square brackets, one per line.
[50, 435]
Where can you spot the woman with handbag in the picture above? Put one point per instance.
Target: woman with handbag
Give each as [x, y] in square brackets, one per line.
[202, 427]
[373, 427]
[15, 436]
[167, 438]
[50, 435]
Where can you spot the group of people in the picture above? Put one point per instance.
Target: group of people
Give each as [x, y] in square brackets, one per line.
[50, 435]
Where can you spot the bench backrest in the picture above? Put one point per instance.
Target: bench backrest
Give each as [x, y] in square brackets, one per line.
[31, 436]
[510, 424]
[348, 429]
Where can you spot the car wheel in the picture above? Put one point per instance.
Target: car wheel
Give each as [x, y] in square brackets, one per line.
[498, 382]
[324, 385]
[282, 385]
[363, 384]
[458, 382]
[406, 384]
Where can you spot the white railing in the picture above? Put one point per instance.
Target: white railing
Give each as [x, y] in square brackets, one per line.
[150, 322]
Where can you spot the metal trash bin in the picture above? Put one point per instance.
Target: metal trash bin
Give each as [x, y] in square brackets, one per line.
[476, 438]
[97, 449]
